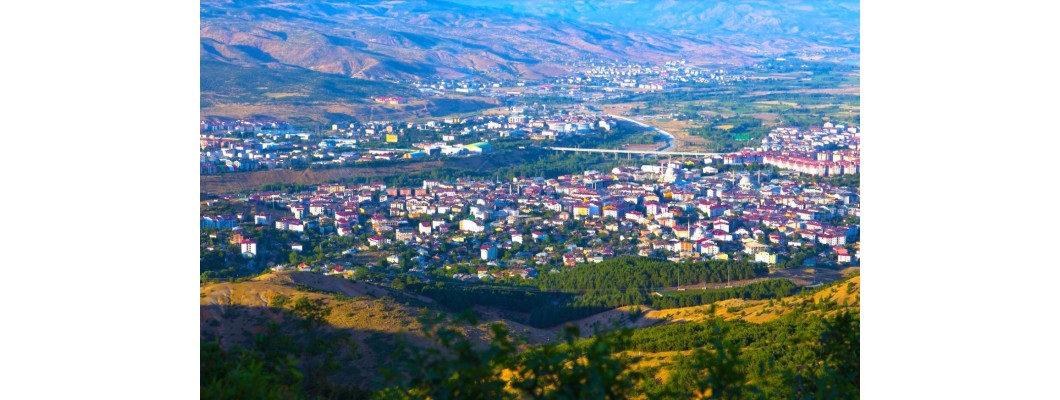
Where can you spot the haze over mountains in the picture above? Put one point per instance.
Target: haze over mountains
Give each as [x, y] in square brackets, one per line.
[413, 40]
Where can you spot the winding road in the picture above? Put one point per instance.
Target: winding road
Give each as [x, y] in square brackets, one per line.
[664, 151]
[669, 136]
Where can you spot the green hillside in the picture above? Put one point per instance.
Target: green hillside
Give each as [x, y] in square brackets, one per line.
[227, 83]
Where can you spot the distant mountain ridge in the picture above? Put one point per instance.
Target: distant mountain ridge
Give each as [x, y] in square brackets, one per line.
[413, 40]
[828, 22]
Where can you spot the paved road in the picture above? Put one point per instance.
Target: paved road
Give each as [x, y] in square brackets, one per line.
[669, 136]
[663, 151]
[617, 151]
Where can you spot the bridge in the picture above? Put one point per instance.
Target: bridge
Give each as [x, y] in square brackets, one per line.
[642, 152]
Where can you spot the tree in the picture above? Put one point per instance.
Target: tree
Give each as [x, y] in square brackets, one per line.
[840, 353]
[314, 312]
[454, 369]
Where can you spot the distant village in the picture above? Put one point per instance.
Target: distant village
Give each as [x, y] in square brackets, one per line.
[591, 80]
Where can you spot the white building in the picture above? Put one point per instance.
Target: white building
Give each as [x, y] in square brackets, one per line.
[468, 225]
[248, 247]
[489, 252]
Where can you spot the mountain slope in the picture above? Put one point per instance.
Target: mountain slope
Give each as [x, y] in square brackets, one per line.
[418, 40]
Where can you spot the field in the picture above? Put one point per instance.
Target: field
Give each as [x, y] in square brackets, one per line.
[246, 181]
[683, 141]
[501, 164]
[322, 112]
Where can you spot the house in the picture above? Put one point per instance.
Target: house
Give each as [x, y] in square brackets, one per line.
[775, 238]
[488, 252]
[237, 236]
[248, 247]
[299, 212]
[721, 224]
[808, 235]
[405, 234]
[708, 247]
[517, 237]
[635, 216]
[296, 226]
[261, 219]
[468, 225]
[652, 207]
[766, 257]
[581, 210]
[842, 255]
[569, 260]
[219, 221]
[712, 210]
[377, 241]
[830, 238]
[344, 217]
[686, 246]
[721, 235]
[753, 247]
[538, 236]
[296, 247]
[425, 228]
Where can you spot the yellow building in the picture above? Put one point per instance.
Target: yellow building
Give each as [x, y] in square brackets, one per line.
[766, 257]
[391, 138]
[581, 210]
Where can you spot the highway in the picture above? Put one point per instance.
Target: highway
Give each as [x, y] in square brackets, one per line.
[646, 152]
[669, 136]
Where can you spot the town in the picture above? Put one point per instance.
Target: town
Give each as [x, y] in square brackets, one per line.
[246, 145]
[790, 203]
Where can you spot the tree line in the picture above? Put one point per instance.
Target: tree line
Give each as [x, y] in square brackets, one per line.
[554, 299]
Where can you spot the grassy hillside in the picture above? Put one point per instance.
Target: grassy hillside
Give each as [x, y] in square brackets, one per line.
[302, 333]
[845, 293]
[371, 319]
[306, 97]
[367, 317]
[223, 82]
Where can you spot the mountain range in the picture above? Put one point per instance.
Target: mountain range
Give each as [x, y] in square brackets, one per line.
[419, 40]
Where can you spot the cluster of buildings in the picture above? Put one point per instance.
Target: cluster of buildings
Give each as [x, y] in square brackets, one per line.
[680, 209]
[254, 149]
[670, 75]
[589, 80]
[833, 149]
[250, 125]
